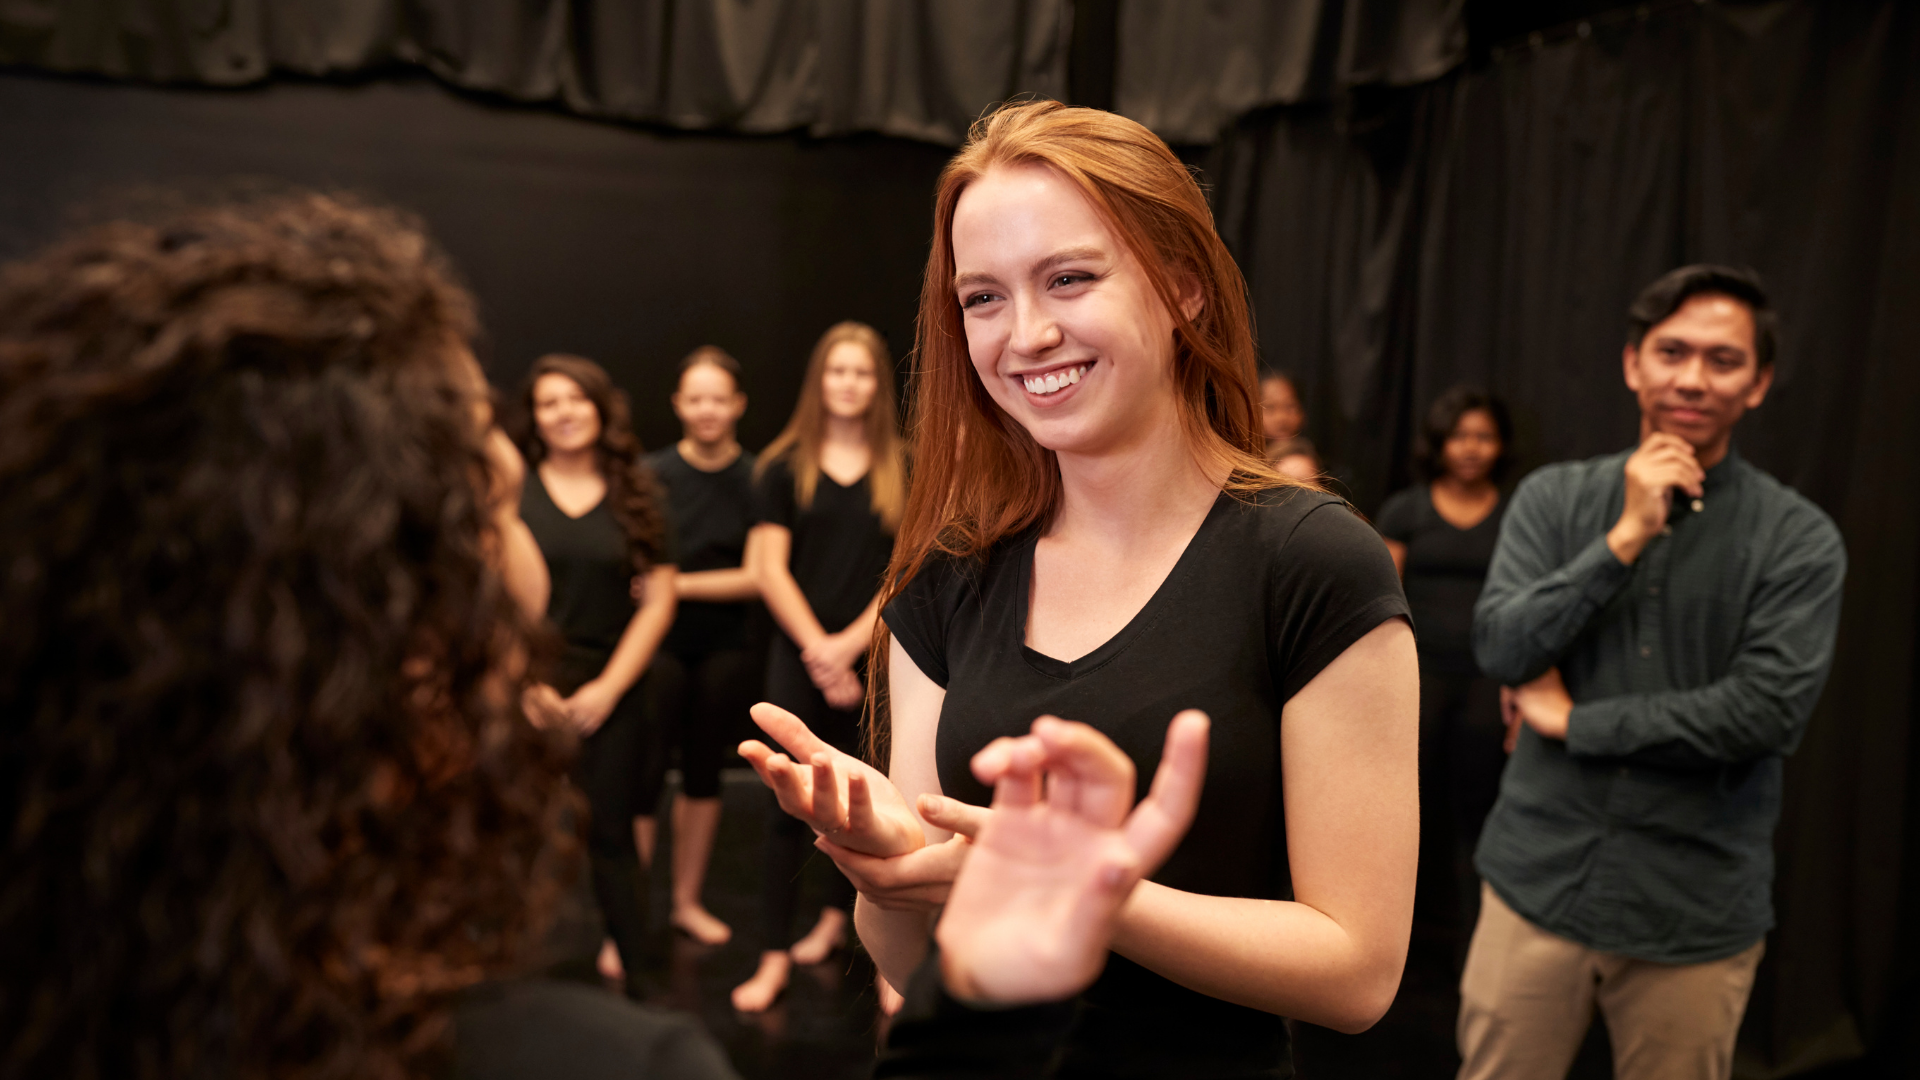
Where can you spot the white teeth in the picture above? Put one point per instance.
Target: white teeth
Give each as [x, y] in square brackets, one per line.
[1054, 382]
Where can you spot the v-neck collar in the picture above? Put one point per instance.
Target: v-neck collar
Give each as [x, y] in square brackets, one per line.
[1142, 621]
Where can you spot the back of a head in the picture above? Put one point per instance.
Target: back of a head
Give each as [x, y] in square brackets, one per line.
[259, 770]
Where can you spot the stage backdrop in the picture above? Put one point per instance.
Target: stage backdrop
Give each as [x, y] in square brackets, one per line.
[1399, 235]
[1491, 228]
[627, 246]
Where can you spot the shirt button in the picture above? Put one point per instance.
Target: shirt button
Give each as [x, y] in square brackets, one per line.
[1646, 651]
[1653, 590]
[1666, 530]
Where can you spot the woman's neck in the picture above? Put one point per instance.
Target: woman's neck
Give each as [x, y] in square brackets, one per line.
[1450, 484]
[709, 457]
[571, 462]
[844, 431]
[1150, 484]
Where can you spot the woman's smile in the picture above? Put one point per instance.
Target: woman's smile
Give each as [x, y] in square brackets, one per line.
[1055, 385]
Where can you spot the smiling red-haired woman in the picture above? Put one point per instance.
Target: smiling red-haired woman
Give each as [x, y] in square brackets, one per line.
[1108, 543]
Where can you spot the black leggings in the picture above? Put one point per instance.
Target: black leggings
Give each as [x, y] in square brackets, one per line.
[790, 840]
[700, 702]
[1460, 766]
[612, 769]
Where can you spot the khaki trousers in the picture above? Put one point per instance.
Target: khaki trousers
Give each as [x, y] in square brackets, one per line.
[1527, 997]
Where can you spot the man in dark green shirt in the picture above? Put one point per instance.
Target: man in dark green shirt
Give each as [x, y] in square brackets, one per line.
[1666, 618]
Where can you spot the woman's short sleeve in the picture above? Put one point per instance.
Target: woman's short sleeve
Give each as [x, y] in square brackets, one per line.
[919, 616]
[1399, 515]
[773, 501]
[1333, 584]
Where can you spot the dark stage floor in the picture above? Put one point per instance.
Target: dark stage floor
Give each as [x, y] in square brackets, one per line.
[828, 1024]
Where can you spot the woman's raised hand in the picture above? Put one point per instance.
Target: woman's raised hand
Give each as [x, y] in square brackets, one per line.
[1032, 913]
[843, 798]
[920, 879]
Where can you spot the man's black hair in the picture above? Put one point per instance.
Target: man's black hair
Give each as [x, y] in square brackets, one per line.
[1658, 301]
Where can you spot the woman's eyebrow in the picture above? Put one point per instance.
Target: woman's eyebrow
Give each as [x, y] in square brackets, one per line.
[972, 278]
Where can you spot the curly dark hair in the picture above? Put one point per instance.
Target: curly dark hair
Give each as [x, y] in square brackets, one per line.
[1444, 415]
[267, 798]
[633, 493]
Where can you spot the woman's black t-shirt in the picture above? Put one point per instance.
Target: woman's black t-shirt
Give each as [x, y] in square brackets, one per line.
[1270, 590]
[840, 546]
[712, 512]
[592, 598]
[1446, 568]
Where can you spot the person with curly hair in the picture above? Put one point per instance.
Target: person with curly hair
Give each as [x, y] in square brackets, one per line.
[598, 516]
[268, 798]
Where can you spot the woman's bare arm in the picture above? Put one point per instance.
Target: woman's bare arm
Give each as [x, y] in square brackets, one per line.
[768, 548]
[897, 939]
[1399, 552]
[728, 585]
[1332, 956]
[593, 702]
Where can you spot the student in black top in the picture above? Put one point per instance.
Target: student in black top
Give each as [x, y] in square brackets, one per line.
[830, 490]
[597, 514]
[706, 673]
[1441, 534]
[1109, 544]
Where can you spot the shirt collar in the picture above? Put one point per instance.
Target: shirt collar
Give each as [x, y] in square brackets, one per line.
[1722, 474]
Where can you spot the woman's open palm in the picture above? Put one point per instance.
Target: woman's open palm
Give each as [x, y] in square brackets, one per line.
[1032, 913]
[841, 797]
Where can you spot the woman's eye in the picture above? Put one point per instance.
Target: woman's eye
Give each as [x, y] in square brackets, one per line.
[1069, 279]
[976, 299]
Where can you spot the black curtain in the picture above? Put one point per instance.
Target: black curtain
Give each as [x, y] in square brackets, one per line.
[1490, 227]
[628, 246]
[922, 69]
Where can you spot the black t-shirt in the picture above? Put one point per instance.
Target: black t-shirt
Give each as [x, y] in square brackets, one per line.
[592, 598]
[840, 546]
[711, 512]
[1446, 567]
[1269, 591]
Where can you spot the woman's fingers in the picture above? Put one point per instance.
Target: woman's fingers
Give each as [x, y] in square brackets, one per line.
[1155, 827]
[788, 730]
[953, 815]
[829, 812]
[1088, 773]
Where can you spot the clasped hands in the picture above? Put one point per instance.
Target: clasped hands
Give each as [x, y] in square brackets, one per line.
[584, 711]
[1032, 887]
[829, 663]
[1543, 705]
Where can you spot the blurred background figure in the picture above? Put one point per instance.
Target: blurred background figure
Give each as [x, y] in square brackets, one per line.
[1441, 533]
[830, 491]
[1281, 417]
[601, 522]
[706, 674]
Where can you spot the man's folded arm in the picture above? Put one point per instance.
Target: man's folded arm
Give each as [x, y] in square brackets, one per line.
[1760, 706]
[1534, 604]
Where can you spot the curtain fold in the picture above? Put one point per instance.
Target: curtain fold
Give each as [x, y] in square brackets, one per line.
[920, 69]
[1491, 227]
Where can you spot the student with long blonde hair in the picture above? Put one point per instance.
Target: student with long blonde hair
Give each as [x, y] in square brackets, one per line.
[1109, 544]
[830, 489]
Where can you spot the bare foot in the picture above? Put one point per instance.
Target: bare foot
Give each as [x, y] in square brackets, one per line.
[608, 962]
[760, 992]
[701, 925]
[890, 1000]
[827, 935]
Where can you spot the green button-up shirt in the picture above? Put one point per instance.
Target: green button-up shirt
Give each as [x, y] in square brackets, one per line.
[1648, 832]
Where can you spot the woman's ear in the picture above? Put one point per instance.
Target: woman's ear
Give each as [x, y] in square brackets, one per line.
[1193, 299]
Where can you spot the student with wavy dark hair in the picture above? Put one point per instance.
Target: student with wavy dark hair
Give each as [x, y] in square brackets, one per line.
[269, 801]
[600, 520]
[1441, 533]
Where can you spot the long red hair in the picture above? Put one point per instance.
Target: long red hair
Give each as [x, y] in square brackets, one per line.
[978, 476]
